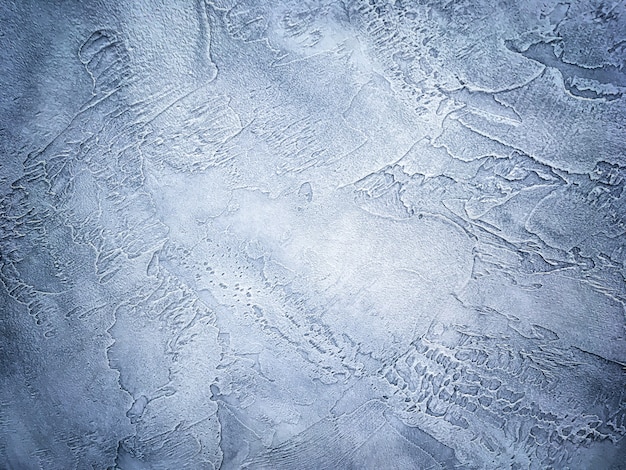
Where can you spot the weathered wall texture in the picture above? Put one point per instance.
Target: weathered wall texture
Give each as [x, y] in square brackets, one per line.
[312, 235]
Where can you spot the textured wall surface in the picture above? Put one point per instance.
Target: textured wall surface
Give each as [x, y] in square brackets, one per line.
[312, 234]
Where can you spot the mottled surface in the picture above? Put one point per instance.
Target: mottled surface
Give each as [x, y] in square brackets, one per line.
[312, 235]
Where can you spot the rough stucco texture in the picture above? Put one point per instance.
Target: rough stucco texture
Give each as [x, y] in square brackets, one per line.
[312, 235]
